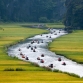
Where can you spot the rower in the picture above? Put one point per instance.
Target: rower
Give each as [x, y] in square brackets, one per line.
[64, 63]
[59, 59]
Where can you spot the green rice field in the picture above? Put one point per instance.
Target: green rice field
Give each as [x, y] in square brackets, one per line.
[13, 70]
[70, 45]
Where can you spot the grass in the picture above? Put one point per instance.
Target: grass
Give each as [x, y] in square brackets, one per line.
[71, 46]
[55, 25]
[25, 72]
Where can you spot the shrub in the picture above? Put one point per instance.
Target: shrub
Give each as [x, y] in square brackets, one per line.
[43, 19]
[47, 68]
[19, 69]
[55, 70]
[9, 69]
[35, 64]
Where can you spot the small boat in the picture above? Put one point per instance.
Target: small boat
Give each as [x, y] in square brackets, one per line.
[42, 41]
[21, 53]
[59, 59]
[51, 33]
[46, 36]
[23, 56]
[50, 36]
[35, 47]
[38, 42]
[31, 48]
[27, 58]
[60, 30]
[55, 34]
[54, 31]
[42, 55]
[63, 63]
[34, 50]
[19, 49]
[41, 61]
[32, 42]
[51, 65]
[38, 58]
[27, 47]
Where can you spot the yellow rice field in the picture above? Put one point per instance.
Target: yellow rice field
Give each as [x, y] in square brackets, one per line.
[31, 73]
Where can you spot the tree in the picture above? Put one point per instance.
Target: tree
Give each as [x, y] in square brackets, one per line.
[74, 15]
[31, 10]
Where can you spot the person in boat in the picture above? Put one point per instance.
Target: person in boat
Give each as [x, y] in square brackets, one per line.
[51, 65]
[51, 33]
[27, 58]
[38, 58]
[59, 31]
[42, 55]
[42, 41]
[32, 42]
[54, 31]
[38, 42]
[31, 48]
[63, 63]
[34, 50]
[50, 36]
[23, 56]
[19, 49]
[46, 36]
[55, 34]
[41, 61]
[28, 47]
[59, 59]
[35, 47]
[21, 53]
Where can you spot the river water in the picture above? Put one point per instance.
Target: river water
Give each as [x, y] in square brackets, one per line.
[35, 50]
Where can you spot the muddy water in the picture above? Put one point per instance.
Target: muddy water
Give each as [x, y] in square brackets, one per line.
[35, 50]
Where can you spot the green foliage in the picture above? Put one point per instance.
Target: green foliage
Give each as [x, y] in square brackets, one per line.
[56, 70]
[12, 69]
[35, 64]
[43, 20]
[47, 68]
[74, 15]
[19, 69]
[31, 10]
[9, 69]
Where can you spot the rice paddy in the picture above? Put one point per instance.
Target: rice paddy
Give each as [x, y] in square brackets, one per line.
[12, 33]
[70, 45]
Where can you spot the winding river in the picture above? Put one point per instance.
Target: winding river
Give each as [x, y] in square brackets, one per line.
[35, 50]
